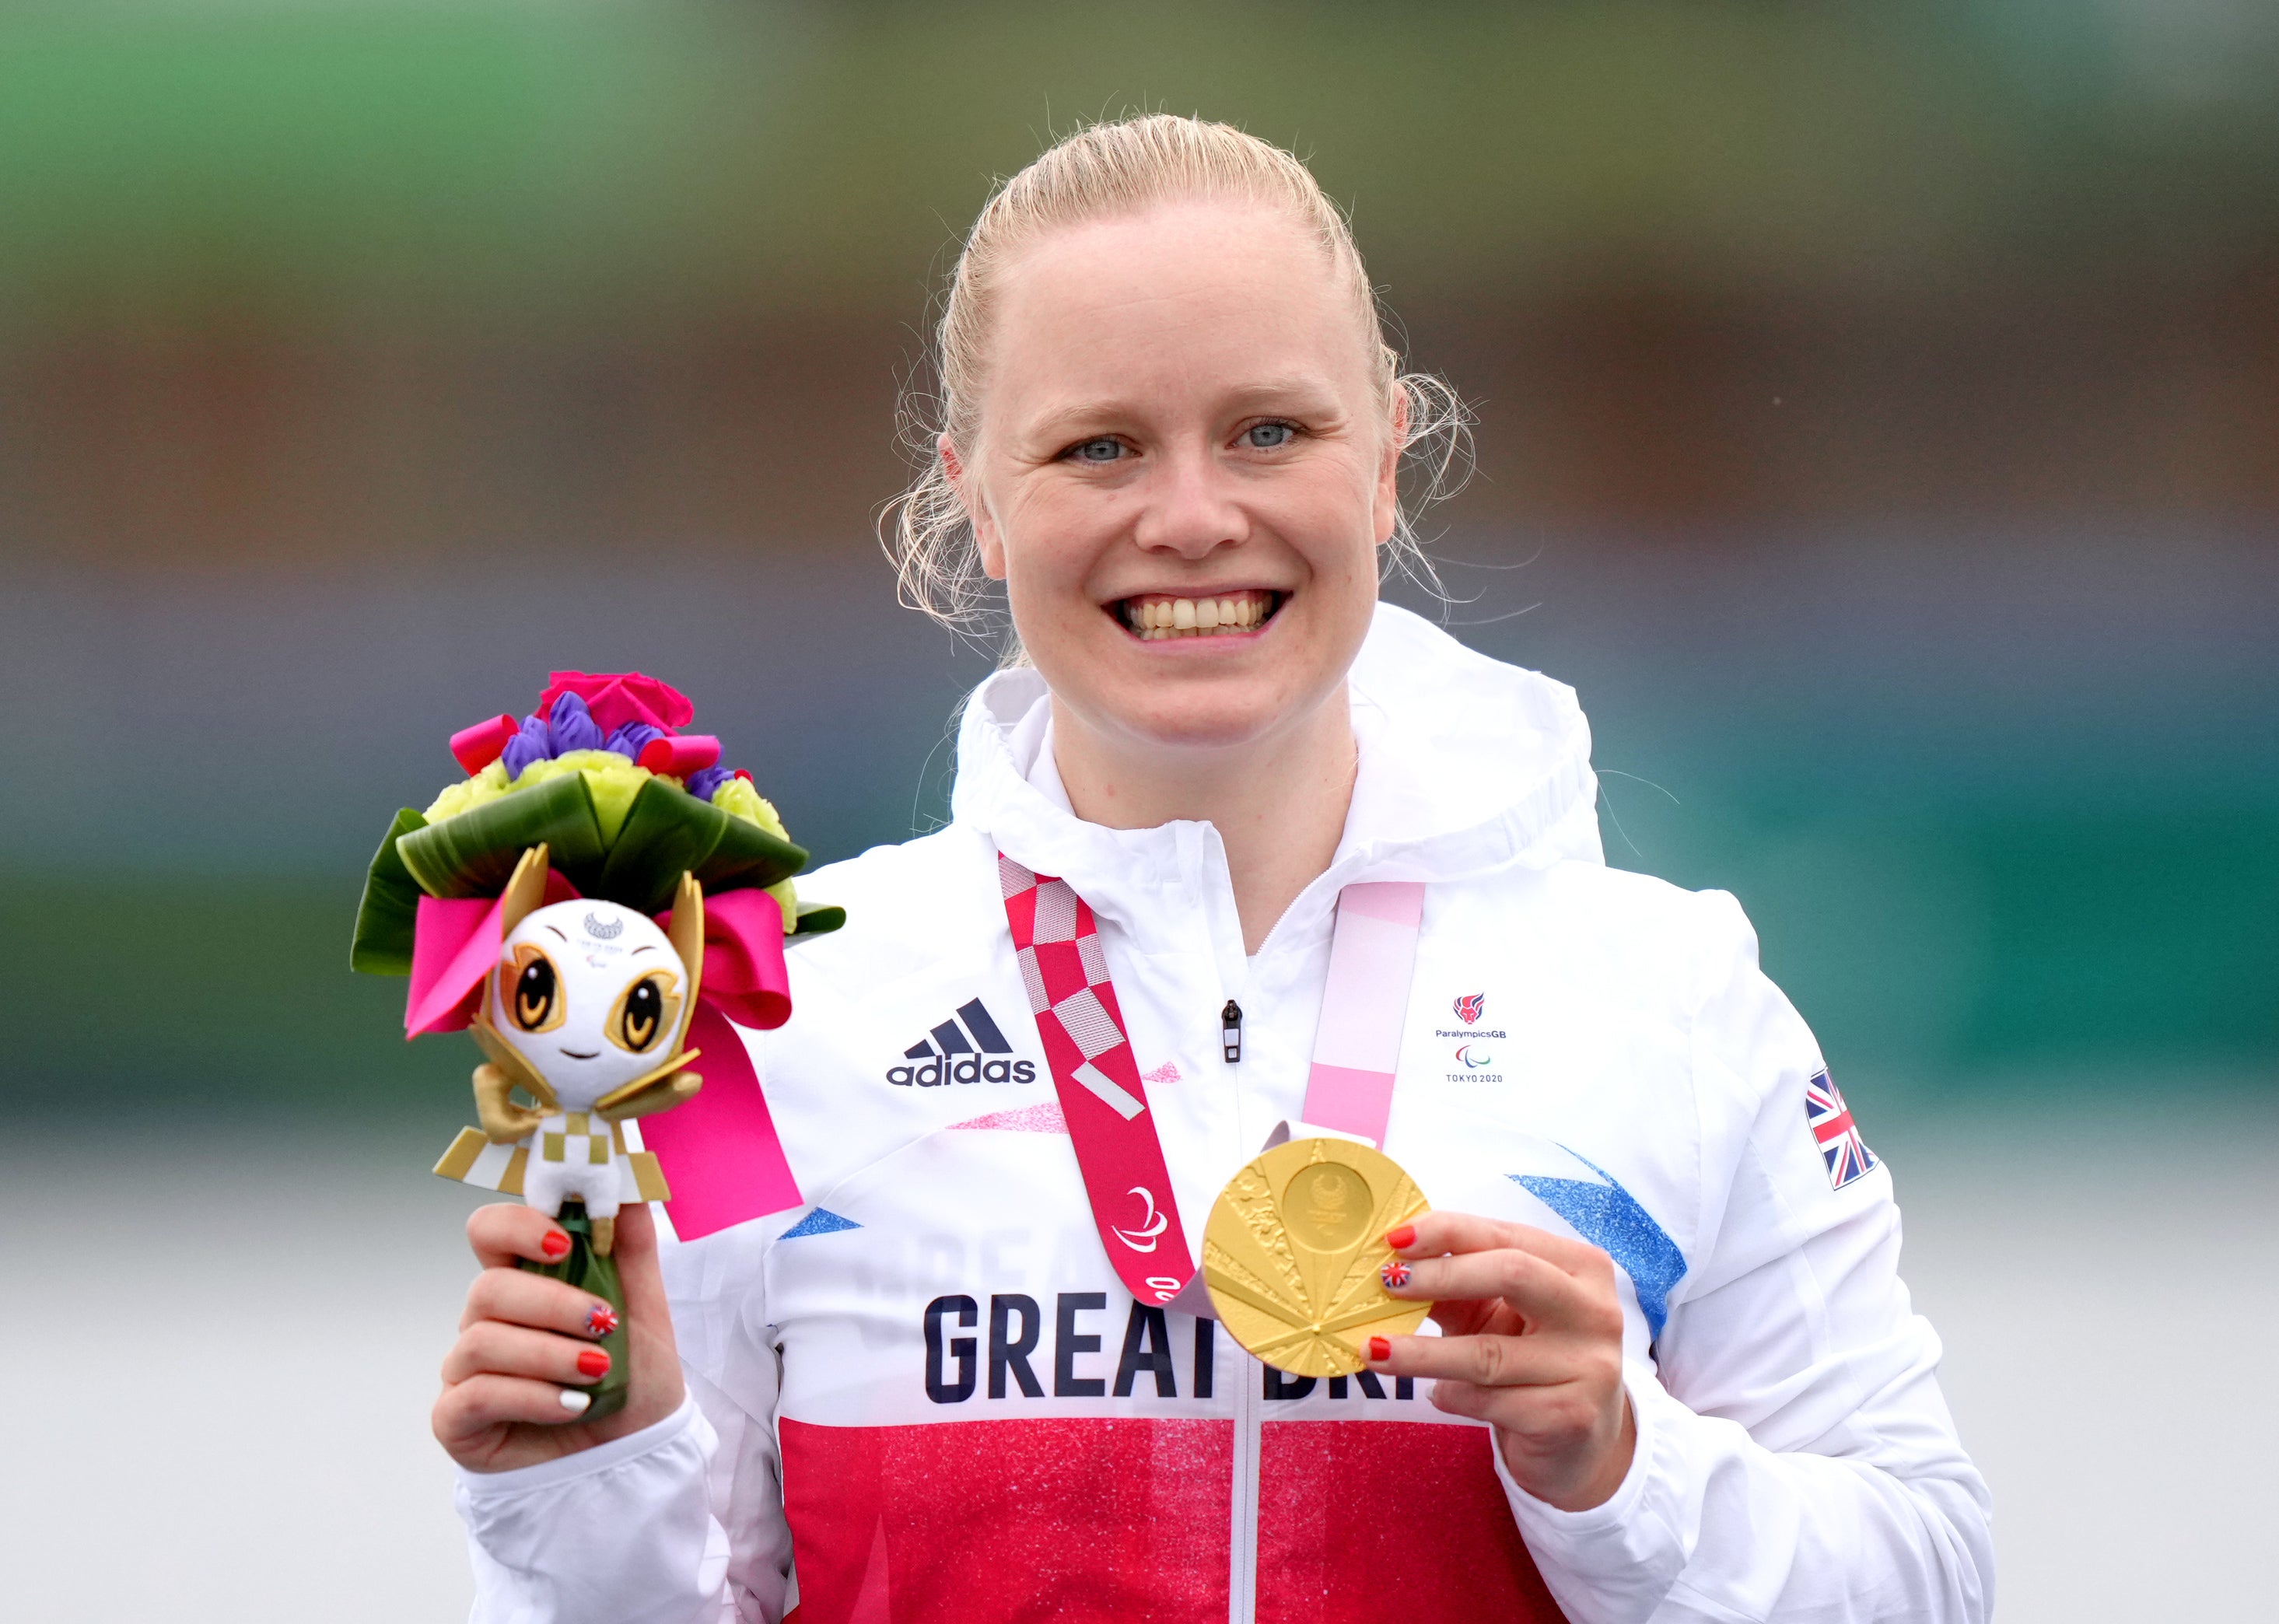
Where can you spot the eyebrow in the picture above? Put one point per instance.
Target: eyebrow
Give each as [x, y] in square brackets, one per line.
[1315, 394]
[636, 953]
[557, 932]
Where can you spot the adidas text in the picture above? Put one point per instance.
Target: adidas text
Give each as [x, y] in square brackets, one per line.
[969, 1047]
[962, 1069]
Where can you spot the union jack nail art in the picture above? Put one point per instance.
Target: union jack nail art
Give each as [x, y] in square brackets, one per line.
[1394, 1275]
[600, 1320]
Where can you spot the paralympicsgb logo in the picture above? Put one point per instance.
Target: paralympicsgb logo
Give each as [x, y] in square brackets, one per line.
[1470, 1007]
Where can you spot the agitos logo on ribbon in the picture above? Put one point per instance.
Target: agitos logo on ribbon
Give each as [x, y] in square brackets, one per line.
[1064, 970]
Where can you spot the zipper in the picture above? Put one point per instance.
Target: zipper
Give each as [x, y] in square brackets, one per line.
[1242, 1576]
[1229, 1031]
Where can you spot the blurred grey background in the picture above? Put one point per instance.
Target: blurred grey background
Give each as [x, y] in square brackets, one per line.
[1879, 426]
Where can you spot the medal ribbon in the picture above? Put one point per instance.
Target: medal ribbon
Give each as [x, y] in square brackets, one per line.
[1064, 969]
[1364, 1003]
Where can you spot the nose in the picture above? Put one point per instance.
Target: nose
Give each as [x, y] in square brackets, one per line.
[1191, 506]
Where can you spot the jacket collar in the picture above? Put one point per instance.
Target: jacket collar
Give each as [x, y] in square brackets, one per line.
[1468, 766]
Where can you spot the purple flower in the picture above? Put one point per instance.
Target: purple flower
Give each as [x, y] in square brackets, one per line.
[704, 781]
[530, 745]
[629, 738]
[572, 727]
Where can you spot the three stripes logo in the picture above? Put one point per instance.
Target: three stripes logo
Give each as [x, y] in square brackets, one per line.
[966, 1048]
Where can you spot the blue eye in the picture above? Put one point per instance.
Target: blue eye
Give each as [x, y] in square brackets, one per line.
[1268, 436]
[1105, 449]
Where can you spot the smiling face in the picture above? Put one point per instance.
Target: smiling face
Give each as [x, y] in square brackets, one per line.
[1183, 469]
[591, 994]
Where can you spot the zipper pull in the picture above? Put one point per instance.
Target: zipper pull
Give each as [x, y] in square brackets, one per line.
[1229, 1030]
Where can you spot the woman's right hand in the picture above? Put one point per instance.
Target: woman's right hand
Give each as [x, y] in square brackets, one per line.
[507, 1380]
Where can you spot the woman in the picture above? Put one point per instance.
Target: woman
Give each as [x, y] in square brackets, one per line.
[1676, 1376]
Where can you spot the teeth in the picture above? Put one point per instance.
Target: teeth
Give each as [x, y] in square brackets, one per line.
[1153, 619]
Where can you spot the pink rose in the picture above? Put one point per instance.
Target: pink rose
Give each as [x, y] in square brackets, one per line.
[619, 697]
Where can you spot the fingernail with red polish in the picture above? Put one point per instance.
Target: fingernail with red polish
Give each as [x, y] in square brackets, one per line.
[593, 1362]
[1405, 1235]
[1379, 1350]
[600, 1320]
[556, 1245]
[1395, 1275]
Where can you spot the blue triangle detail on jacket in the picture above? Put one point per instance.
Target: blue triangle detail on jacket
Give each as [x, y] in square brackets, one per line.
[1611, 1219]
[820, 1222]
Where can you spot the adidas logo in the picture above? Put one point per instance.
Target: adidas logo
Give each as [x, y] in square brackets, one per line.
[962, 1050]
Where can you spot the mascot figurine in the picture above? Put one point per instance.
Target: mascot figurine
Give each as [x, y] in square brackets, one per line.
[559, 904]
[587, 1012]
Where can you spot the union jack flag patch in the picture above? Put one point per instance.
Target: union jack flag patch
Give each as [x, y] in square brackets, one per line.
[1847, 1156]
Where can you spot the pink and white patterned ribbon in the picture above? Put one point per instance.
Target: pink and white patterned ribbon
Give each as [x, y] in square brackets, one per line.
[1057, 942]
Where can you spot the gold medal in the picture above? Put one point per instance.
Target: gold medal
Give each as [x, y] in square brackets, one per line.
[1293, 1249]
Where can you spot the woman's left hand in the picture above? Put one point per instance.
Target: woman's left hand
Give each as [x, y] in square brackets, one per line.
[1533, 1344]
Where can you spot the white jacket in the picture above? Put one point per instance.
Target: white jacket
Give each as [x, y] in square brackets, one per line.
[928, 1385]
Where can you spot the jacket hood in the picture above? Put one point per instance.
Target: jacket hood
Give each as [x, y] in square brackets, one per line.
[1468, 766]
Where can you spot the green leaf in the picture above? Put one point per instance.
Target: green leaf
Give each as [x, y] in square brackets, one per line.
[817, 919]
[473, 855]
[390, 910]
[666, 833]
[670, 831]
[589, 1271]
[747, 854]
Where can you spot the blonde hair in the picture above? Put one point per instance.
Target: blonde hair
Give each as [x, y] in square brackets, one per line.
[1098, 172]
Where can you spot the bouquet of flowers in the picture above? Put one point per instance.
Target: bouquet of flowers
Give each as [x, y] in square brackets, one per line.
[597, 902]
[625, 802]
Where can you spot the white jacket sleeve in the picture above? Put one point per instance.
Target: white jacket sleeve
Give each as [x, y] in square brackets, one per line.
[679, 1523]
[1795, 1460]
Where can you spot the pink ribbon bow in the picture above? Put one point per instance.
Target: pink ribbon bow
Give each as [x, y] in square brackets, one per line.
[720, 1151]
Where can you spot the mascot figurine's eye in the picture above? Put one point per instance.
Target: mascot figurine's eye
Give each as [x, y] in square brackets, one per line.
[646, 1012]
[536, 1002]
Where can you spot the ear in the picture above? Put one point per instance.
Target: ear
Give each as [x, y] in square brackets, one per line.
[525, 891]
[686, 935]
[986, 541]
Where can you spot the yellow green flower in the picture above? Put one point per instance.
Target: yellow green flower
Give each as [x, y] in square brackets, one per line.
[611, 780]
[468, 793]
[738, 799]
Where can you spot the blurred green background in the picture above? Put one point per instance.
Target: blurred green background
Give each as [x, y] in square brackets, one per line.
[1879, 425]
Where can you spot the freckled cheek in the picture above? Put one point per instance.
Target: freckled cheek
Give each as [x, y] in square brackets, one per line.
[1053, 546]
[1331, 522]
